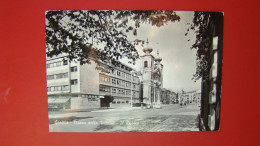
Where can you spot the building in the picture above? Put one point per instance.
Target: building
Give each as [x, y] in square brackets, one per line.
[190, 97]
[173, 97]
[151, 77]
[165, 96]
[197, 98]
[168, 96]
[75, 86]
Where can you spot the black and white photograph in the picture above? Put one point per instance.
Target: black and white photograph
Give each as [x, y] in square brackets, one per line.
[133, 70]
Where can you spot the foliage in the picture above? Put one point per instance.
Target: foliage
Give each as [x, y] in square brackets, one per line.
[108, 99]
[200, 26]
[101, 35]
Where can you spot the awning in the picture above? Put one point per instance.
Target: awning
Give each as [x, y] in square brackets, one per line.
[58, 100]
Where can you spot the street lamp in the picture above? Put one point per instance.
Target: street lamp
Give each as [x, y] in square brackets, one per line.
[131, 72]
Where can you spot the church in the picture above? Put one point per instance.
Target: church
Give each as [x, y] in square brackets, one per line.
[151, 77]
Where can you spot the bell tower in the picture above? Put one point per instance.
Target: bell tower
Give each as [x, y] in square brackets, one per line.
[147, 65]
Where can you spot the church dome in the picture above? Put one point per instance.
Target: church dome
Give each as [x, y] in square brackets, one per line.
[147, 51]
[159, 59]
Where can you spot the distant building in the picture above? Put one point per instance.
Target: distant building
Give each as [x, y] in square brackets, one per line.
[168, 96]
[82, 86]
[197, 98]
[190, 97]
[173, 97]
[165, 96]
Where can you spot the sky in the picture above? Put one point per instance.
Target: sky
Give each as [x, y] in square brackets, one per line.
[178, 59]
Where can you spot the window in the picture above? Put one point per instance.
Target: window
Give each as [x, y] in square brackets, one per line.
[107, 89]
[48, 89]
[65, 62]
[83, 95]
[145, 64]
[113, 90]
[73, 69]
[64, 75]
[113, 71]
[57, 88]
[113, 81]
[100, 78]
[64, 88]
[118, 82]
[50, 77]
[118, 73]
[61, 75]
[55, 64]
[105, 79]
[104, 89]
[74, 82]
[58, 63]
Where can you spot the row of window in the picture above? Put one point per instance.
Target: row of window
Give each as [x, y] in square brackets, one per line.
[120, 102]
[58, 88]
[57, 64]
[122, 83]
[116, 91]
[89, 96]
[57, 76]
[116, 81]
[104, 78]
[122, 74]
[104, 89]
[120, 65]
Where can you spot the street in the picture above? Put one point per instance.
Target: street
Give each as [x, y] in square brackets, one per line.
[168, 118]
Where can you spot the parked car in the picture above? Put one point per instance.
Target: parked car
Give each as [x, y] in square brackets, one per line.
[157, 106]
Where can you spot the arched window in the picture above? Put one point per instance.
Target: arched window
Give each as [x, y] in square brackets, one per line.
[145, 64]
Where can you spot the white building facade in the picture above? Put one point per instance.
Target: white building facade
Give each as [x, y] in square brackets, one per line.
[76, 86]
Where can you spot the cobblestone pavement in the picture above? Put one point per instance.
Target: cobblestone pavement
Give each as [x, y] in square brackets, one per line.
[169, 118]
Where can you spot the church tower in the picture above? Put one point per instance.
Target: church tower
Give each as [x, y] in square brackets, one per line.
[151, 79]
[147, 65]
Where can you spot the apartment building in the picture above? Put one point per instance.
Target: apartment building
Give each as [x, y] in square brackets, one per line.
[82, 86]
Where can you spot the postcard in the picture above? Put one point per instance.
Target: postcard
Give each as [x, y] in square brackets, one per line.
[133, 70]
